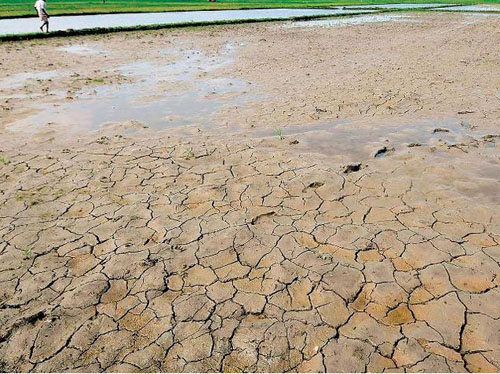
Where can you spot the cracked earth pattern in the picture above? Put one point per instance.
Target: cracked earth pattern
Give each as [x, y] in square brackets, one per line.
[212, 251]
[127, 255]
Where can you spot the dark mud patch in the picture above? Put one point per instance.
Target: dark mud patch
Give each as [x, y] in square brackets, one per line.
[313, 186]
[261, 217]
[35, 317]
[384, 151]
[412, 145]
[352, 168]
[440, 129]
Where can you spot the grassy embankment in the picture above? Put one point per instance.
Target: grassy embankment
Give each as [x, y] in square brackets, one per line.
[24, 8]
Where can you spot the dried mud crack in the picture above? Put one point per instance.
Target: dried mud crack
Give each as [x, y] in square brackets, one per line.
[141, 259]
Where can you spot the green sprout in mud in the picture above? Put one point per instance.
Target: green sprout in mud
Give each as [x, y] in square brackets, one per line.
[27, 253]
[279, 133]
[3, 160]
[59, 193]
[189, 153]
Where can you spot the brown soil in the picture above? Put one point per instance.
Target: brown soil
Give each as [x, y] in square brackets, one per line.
[229, 248]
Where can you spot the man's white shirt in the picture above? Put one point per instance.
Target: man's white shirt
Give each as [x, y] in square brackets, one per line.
[40, 7]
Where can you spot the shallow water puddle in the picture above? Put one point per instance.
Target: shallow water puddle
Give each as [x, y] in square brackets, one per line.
[108, 104]
[475, 177]
[24, 79]
[356, 143]
[160, 95]
[361, 141]
[81, 49]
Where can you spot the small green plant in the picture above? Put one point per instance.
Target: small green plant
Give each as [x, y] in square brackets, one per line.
[189, 153]
[59, 193]
[3, 160]
[279, 133]
[27, 253]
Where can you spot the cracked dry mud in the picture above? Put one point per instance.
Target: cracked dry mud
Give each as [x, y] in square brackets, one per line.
[126, 252]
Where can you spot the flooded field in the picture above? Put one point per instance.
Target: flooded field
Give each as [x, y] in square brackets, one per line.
[275, 197]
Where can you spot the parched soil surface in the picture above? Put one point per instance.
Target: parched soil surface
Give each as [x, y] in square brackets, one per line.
[225, 248]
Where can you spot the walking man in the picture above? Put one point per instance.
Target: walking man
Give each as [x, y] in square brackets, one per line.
[42, 14]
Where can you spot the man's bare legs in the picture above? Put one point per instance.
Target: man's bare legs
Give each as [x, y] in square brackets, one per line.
[46, 23]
